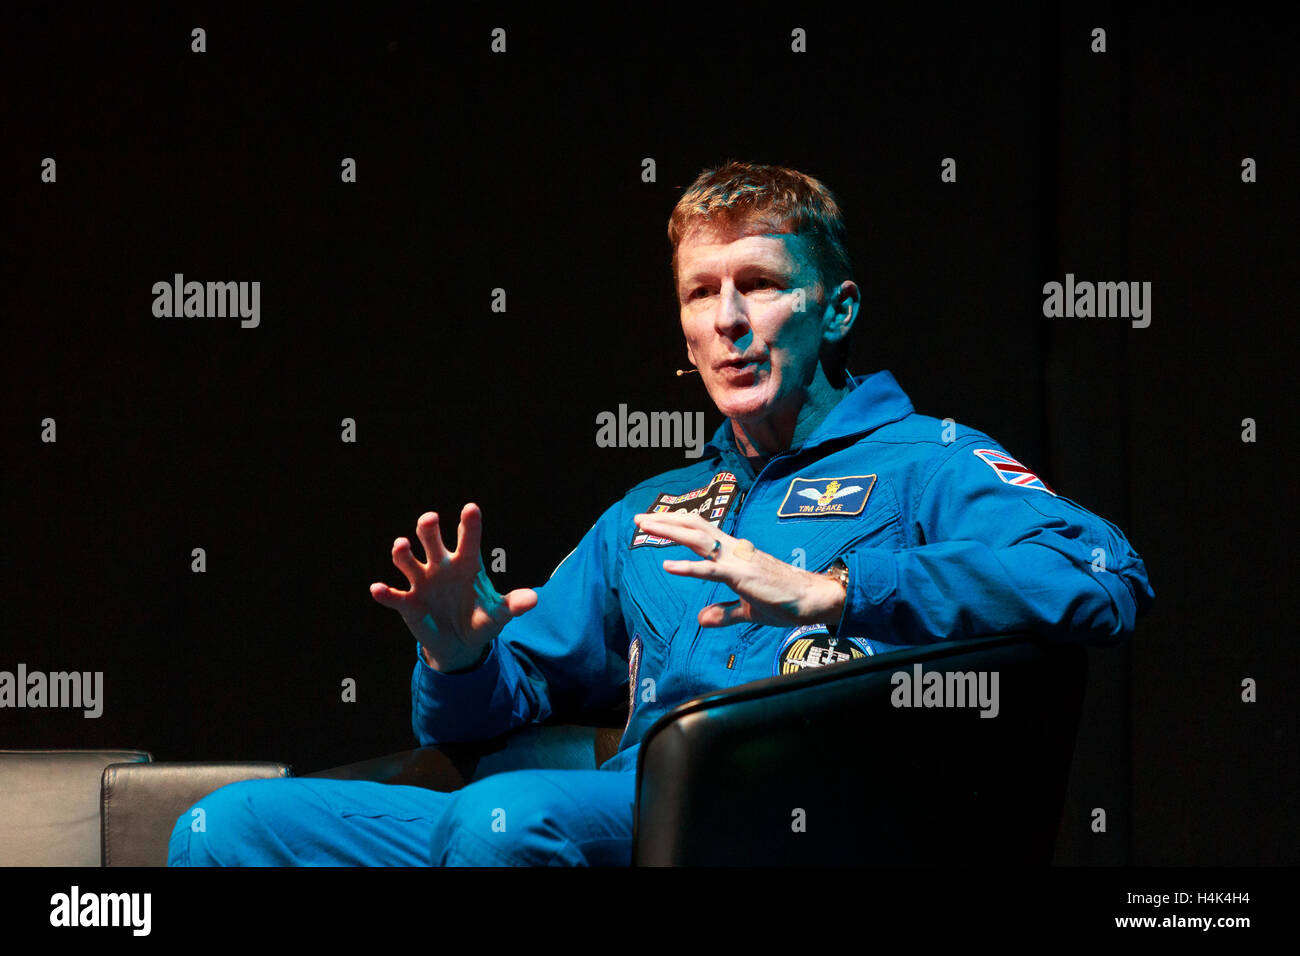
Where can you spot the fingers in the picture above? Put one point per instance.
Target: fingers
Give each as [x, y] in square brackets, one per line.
[688, 529]
[687, 521]
[502, 608]
[405, 561]
[387, 596]
[430, 535]
[470, 533]
[724, 614]
[694, 569]
[520, 600]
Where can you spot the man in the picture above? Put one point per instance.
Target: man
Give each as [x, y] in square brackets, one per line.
[825, 521]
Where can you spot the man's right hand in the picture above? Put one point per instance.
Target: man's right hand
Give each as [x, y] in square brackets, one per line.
[452, 608]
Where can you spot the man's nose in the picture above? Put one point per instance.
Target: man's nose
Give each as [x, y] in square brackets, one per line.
[730, 320]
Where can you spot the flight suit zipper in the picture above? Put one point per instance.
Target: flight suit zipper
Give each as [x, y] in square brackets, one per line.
[733, 524]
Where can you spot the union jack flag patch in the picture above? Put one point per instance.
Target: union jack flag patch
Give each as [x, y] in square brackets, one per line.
[1011, 471]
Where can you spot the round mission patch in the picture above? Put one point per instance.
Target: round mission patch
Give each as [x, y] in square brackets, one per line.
[813, 646]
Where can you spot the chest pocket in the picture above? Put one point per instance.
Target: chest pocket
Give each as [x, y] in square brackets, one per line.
[822, 539]
[657, 598]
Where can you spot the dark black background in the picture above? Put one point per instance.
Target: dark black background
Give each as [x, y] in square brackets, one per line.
[523, 171]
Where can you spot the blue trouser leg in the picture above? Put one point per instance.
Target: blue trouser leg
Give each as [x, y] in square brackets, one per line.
[539, 818]
[308, 822]
[523, 817]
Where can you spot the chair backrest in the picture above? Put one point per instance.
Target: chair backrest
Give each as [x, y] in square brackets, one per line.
[847, 764]
[49, 805]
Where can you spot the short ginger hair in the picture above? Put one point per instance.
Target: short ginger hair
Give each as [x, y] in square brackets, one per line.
[738, 196]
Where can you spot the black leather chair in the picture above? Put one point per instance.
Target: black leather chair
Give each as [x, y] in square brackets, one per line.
[723, 778]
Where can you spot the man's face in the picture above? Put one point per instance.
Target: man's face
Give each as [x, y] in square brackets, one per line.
[738, 300]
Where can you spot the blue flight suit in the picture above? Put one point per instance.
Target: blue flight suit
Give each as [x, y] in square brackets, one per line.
[945, 536]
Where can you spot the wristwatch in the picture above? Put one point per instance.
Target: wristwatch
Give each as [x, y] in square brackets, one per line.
[840, 572]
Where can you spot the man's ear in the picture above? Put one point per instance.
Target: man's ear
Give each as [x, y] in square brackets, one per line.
[841, 311]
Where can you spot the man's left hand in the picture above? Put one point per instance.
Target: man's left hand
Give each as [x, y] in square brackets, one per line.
[771, 591]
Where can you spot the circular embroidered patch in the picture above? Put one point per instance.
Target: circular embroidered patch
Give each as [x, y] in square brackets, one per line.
[813, 646]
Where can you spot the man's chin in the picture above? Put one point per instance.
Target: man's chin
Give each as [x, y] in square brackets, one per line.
[744, 405]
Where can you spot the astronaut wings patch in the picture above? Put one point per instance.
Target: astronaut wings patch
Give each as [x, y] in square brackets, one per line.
[840, 497]
[1010, 470]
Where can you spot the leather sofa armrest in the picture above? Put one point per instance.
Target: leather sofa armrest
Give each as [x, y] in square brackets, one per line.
[140, 803]
[49, 805]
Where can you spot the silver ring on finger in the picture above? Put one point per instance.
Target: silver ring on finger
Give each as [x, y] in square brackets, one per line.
[716, 549]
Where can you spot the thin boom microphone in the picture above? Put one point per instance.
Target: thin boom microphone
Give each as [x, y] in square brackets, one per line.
[686, 371]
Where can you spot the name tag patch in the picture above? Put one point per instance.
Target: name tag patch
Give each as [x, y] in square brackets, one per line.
[712, 502]
[810, 497]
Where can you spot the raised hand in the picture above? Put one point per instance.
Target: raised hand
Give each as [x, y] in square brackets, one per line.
[770, 590]
[451, 607]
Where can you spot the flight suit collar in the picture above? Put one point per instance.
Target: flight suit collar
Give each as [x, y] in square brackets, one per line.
[874, 400]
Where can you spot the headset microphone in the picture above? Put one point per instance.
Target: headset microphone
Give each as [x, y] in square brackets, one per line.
[686, 371]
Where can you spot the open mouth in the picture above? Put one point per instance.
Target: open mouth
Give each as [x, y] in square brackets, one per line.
[739, 373]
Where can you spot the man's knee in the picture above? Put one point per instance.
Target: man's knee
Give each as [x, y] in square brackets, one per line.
[520, 818]
[229, 826]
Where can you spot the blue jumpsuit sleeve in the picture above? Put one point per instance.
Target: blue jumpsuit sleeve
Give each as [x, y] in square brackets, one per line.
[995, 558]
[568, 654]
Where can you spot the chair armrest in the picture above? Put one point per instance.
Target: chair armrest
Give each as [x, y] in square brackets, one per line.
[141, 802]
[444, 768]
[49, 805]
[827, 766]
